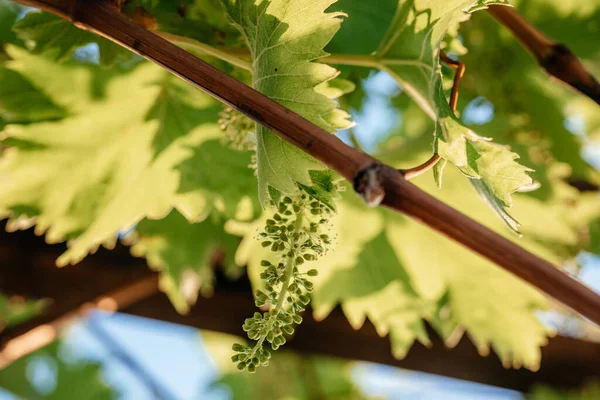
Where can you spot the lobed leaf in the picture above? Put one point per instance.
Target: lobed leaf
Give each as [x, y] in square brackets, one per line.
[285, 37]
[183, 253]
[99, 171]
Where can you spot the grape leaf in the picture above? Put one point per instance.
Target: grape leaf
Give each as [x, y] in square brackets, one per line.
[8, 15]
[201, 20]
[380, 291]
[285, 38]
[57, 38]
[429, 278]
[20, 101]
[182, 252]
[87, 177]
[365, 26]
[397, 273]
[221, 175]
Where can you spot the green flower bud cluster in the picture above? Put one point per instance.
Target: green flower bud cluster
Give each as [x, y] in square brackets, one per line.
[238, 128]
[295, 232]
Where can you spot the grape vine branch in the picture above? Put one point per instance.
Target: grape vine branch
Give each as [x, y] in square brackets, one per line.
[397, 194]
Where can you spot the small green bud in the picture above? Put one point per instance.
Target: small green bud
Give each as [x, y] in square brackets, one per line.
[289, 330]
[312, 272]
[237, 347]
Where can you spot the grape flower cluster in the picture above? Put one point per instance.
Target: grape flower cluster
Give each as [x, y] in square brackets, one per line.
[238, 129]
[296, 234]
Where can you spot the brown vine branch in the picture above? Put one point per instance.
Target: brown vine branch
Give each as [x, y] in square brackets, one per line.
[555, 58]
[460, 71]
[399, 195]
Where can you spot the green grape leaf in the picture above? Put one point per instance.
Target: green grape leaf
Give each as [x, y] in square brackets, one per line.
[20, 101]
[365, 26]
[410, 54]
[58, 38]
[79, 380]
[480, 159]
[379, 291]
[182, 251]
[222, 174]
[285, 38]
[396, 279]
[335, 88]
[324, 187]
[473, 289]
[178, 112]
[86, 177]
[9, 12]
